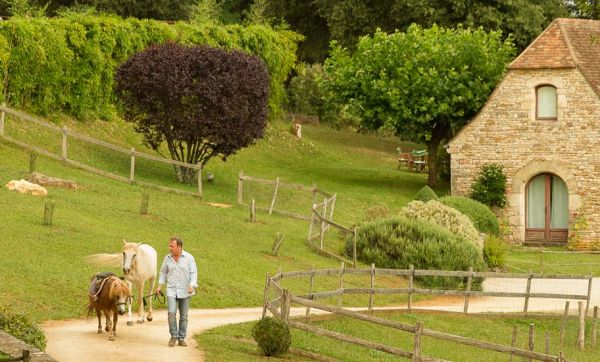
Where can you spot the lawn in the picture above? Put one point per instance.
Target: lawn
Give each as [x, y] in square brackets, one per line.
[46, 276]
[230, 343]
[552, 261]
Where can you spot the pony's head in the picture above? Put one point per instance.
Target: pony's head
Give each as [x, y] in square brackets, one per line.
[129, 253]
[120, 294]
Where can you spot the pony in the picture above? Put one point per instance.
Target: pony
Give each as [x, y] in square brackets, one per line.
[139, 264]
[112, 296]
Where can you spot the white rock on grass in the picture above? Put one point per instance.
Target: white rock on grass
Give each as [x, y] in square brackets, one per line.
[26, 187]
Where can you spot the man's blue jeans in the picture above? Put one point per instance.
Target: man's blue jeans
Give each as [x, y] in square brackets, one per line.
[183, 304]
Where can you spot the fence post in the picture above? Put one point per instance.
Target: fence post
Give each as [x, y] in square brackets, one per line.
[468, 291]
[64, 143]
[48, 213]
[589, 294]
[132, 165]
[144, 205]
[25, 357]
[531, 338]
[563, 325]
[322, 230]
[594, 326]
[285, 306]
[2, 115]
[240, 193]
[342, 272]
[253, 210]
[312, 221]
[332, 206]
[411, 278]
[526, 306]
[324, 214]
[354, 237]
[199, 168]
[274, 196]
[32, 161]
[581, 333]
[266, 296]
[310, 291]
[417, 342]
[513, 341]
[371, 292]
[547, 338]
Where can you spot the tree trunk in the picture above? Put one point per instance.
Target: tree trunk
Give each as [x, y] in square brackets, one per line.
[437, 135]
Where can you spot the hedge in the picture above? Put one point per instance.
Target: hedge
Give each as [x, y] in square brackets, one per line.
[67, 65]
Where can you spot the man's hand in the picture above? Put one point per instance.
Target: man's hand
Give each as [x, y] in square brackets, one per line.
[190, 290]
[158, 292]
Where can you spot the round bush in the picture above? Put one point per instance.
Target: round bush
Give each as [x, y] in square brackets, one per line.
[272, 335]
[425, 194]
[443, 216]
[490, 187]
[399, 242]
[481, 216]
[22, 327]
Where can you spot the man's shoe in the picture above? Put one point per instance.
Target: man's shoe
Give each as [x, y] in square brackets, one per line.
[182, 343]
[172, 341]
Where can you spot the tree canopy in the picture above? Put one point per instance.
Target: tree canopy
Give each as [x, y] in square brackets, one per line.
[425, 83]
[203, 102]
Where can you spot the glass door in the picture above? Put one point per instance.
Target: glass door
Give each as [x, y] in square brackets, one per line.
[547, 209]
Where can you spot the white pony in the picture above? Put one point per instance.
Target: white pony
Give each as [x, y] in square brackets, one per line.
[139, 264]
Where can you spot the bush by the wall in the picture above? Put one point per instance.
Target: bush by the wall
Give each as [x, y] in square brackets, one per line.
[272, 336]
[22, 327]
[490, 187]
[425, 194]
[399, 242]
[67, 65]
[480, 215]
[494, 252]
[444, 216]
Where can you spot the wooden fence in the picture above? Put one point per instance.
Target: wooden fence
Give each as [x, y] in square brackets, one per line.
[277, 185]
[64, 156]
[280, 308]
[322, 221]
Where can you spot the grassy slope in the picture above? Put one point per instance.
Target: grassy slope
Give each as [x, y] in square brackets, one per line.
[42, 269]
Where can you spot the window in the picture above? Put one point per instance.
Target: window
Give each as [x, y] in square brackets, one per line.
[546, 102]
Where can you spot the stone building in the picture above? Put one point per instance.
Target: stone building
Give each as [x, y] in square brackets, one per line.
[542, 124]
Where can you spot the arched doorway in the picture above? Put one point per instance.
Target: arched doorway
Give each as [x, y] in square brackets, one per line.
[547, 209]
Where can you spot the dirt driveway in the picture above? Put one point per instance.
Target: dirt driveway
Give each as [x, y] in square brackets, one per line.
[77, 340]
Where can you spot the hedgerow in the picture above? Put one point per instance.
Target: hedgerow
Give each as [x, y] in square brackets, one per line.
[67, 65]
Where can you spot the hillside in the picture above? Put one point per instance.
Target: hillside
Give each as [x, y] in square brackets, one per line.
[43, 272]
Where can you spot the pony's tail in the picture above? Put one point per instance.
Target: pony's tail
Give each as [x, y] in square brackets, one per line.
[104, 259]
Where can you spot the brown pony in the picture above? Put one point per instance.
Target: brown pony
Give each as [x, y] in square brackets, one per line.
[113, 296]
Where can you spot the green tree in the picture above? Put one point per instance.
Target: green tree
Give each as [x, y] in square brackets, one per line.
[425, 83]
[585, 9]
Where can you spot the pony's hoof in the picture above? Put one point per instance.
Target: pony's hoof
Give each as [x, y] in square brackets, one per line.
[99, 330]
[141, 321]
[149, 319]
[130, 323]
[106, 329]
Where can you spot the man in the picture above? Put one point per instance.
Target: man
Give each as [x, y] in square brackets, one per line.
[179, 272]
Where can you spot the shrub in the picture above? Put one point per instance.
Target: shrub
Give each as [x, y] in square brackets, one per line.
[272, 335]
[22, 327]
[376, 212]
[443, 216]
[425, 194]
[481, 216]
[304, 94]
[494, 252]
[399, 242]
[490, 187]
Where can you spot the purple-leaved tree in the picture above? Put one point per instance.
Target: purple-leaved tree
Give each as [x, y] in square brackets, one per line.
[202, 102]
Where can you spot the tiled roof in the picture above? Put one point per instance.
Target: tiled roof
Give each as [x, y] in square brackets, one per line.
[566, 43]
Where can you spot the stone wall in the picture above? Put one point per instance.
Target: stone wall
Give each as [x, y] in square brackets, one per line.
[14, 347]
[506, 132]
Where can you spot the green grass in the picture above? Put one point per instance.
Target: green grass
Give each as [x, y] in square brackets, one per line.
[227, 343]
[551, 261]
[45, 274]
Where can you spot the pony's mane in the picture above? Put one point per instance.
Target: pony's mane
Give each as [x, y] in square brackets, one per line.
[118, 287]
[130, 246]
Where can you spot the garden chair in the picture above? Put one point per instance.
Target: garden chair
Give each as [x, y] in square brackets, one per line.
[419, 160]
[404, 159]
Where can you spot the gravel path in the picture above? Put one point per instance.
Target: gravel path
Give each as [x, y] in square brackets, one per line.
[77, 340]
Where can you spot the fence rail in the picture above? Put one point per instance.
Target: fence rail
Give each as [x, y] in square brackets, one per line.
[280, 308]
[66, 134]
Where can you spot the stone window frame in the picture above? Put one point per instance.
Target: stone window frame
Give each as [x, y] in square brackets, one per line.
[537, 88]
